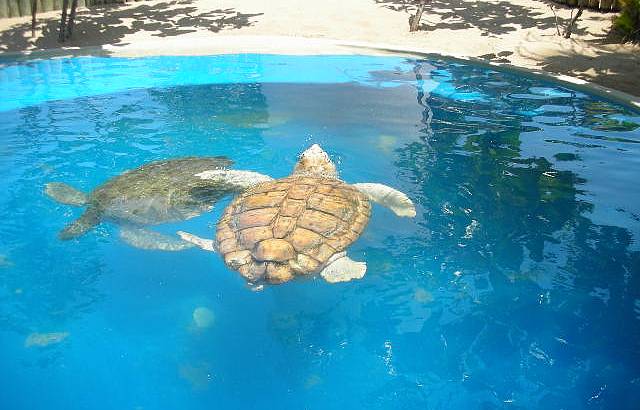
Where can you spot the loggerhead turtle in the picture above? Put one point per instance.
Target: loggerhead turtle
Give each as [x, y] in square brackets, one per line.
[298, 225]
[154, 193]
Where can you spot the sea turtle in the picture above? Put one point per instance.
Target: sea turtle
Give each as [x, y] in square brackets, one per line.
[278, 229]
[154, 193]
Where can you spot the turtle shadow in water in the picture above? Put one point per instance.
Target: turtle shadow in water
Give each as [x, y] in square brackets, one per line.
[154, 193]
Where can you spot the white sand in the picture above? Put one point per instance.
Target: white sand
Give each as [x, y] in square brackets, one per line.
[523, 30]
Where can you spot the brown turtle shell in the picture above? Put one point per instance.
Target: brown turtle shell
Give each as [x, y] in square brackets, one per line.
[290, 226]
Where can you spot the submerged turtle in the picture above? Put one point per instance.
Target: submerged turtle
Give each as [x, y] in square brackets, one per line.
[298, 225]
[155, 193]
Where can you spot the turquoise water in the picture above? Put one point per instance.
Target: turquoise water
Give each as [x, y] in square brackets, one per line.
[516, 286]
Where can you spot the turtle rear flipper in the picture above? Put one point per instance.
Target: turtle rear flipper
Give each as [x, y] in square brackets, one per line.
[80, 226]
[343, 269]
[150, 240]
[65, 194]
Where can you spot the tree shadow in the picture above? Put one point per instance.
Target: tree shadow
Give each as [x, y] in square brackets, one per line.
[601, 68]
[165, 19]
[492, 19]
[608, 67]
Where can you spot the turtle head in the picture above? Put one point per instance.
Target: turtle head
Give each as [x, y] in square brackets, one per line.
[315, 162]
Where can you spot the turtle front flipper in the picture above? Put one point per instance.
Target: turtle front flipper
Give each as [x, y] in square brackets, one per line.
[343, 269]
[80, 226]
[206, 244]
[237, 180]
[65, 194]
[150, 240]
[389, 197]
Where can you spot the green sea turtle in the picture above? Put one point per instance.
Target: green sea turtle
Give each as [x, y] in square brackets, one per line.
[278, 229]
[155, 193]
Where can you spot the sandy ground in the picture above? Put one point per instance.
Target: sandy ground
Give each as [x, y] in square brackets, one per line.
[517, 32]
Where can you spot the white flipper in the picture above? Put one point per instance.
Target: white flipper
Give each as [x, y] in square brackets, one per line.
[206, 244]
[150, 240]
[343, 269]
[393, 199]
[241, 180]
[65, 194]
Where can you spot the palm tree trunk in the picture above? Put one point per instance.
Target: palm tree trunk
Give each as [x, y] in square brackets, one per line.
[414, 23]
[572, 23]
[72, 18]
[34, 11]
[63, 21]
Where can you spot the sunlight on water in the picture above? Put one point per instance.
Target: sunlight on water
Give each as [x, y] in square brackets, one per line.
[515, 286]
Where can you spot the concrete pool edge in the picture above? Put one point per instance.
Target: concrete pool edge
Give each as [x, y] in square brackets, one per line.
[282, 45]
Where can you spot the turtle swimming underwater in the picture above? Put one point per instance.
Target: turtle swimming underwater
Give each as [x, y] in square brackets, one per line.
[155, 193]
[278, 229]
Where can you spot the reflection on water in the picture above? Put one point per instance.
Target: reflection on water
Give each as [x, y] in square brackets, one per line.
[516, 284]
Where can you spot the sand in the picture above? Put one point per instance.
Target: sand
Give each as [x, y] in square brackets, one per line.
[516, 32]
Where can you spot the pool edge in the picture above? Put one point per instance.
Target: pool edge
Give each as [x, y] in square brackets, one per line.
[283, 45]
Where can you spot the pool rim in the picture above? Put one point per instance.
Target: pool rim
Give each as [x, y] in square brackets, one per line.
[327, 47]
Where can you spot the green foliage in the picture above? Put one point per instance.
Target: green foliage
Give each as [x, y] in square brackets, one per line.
[627, 24]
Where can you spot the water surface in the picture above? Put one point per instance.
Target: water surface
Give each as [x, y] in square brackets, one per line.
[516, 286]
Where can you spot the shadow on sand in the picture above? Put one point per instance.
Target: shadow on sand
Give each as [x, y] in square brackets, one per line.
[610, 72]
[492, 19]
[110, 24]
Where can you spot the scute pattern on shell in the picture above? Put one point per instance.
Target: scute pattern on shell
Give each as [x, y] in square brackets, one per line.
[290, 226]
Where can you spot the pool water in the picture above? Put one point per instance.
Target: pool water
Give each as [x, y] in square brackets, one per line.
[516, 286]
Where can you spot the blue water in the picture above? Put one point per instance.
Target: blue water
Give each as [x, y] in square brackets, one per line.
[516, 286]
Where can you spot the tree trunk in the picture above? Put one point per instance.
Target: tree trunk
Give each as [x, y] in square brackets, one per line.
[72, 18]
[414, 21]
[63, 21]
[555, 16]
[34, 11]
[572, 23]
